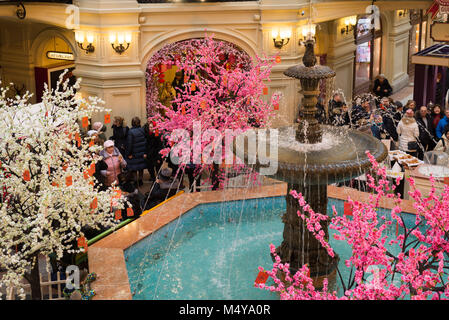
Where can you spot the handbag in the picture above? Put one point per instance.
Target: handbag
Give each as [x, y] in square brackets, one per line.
[412, 145]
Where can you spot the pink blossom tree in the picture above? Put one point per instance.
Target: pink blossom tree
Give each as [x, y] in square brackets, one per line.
[223, 89]
[416, 270]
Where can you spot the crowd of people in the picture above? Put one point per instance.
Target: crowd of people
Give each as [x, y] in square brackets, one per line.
[124, 158]
[412, 129]
[132, 150]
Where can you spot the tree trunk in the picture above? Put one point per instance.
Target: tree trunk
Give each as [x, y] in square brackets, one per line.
[34, 280]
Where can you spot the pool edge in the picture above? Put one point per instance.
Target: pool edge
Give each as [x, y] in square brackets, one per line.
[113, 283]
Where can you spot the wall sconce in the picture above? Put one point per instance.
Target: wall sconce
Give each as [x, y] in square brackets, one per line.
[118, 41]
[350, 23]
[79, 38]
[308, 33]
[281, 37]
[402, 13]
[21, 12]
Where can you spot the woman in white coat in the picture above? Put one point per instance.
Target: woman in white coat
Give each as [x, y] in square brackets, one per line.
[408, 133]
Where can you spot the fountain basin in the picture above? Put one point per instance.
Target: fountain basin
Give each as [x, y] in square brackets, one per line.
[340, 156]
[213, 253]
[107, 256]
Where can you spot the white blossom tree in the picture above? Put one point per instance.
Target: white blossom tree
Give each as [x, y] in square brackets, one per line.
[46, 173]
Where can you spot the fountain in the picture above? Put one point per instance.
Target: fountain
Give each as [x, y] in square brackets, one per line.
[311, 156]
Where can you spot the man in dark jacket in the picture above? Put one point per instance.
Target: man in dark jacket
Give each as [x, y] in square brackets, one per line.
[382, 87]
[154, 146]
[426, 132]
[388, 113]
[119, 134]
[136, 150]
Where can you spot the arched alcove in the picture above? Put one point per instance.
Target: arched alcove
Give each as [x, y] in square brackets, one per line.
[159, 76]
[47, 68]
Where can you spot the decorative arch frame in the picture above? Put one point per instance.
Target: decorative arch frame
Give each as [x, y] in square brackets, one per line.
[240, 40]
[39, 42]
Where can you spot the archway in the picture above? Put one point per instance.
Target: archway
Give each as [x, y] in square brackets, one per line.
[163, 77]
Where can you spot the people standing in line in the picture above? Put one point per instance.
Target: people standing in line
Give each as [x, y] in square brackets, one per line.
[442, 124]
[381, 87]
[119, 134]
[154, 146]
[426, 132]
[115, 162]
[437, 114]
[136, 150]
[408, 133]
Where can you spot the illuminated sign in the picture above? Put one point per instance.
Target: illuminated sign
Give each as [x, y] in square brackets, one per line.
[60, 55]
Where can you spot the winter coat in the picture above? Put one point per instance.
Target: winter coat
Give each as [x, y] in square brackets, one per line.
[436, 118]
[336, 115]
[442, 145]
[115, 163]
[441, 126]
[389, 118]
[359, 115]
[119, 135]
[154, 145]
[408, 131]
[136, 148]
[426, 132]
[379, 88]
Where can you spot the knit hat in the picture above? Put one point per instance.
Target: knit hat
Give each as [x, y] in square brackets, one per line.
[108, 143]
[97, 126]
[90, 133]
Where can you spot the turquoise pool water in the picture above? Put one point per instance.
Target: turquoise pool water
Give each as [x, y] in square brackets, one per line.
[213, 252]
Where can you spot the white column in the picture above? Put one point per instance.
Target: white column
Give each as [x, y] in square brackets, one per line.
[340, 57]
[396, 48]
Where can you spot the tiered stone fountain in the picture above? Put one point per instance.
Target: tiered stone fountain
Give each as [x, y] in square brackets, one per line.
[311, 156]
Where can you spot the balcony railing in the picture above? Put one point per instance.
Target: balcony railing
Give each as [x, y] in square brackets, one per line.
[25, 1]
[189, 1]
